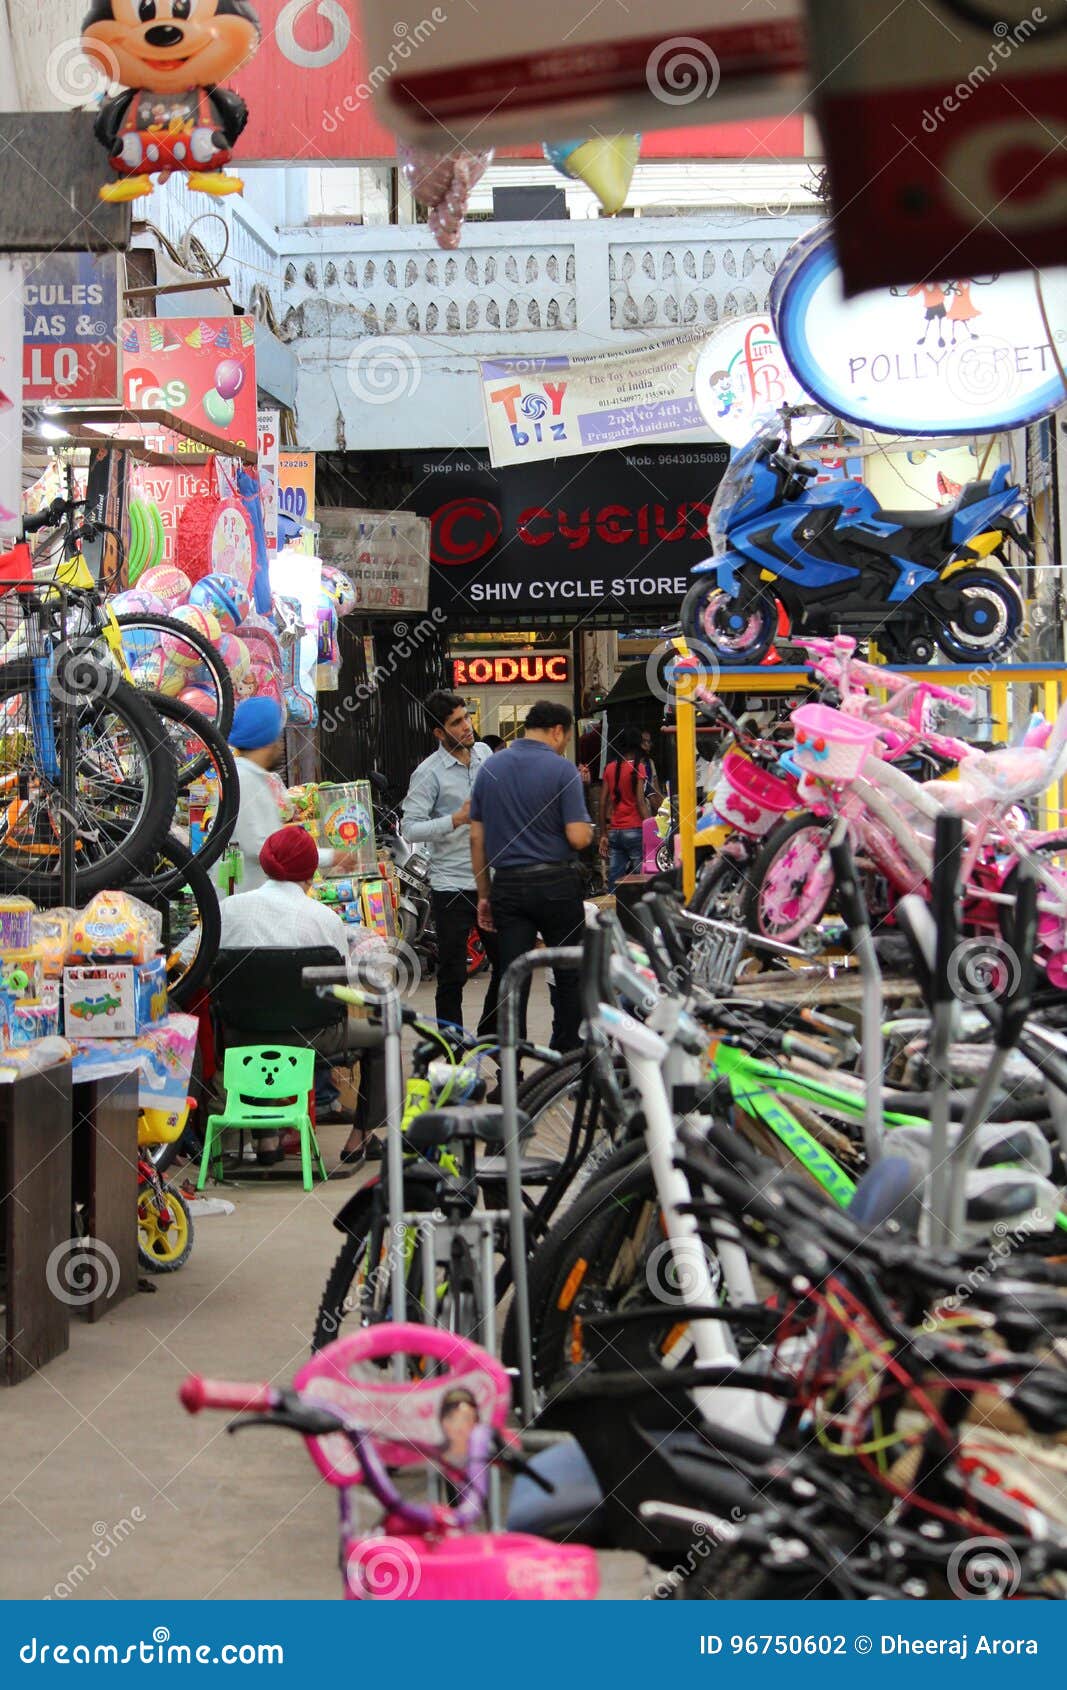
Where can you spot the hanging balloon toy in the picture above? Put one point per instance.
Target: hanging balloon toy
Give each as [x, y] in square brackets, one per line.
[606, 164]
[443, 182]
[173, 115]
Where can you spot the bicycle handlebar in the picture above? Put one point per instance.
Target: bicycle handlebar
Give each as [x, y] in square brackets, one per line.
[230, 1395]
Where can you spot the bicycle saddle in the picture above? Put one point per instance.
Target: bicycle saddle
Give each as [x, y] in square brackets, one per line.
[463, 1124]
[1016, 773]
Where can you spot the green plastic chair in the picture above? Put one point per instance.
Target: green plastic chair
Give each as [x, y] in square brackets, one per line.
[267, 1090]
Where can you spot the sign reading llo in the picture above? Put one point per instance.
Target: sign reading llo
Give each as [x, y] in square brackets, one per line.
[615, 533]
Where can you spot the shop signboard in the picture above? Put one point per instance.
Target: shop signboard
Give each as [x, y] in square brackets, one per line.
[10, 398]
[530, 669]
[296, 485]
[615, 534]
[203, 369]
[70, 318]
[963, 356]
[742, 378]
[944, 133]
[559, 407]
[385, 554]
[268, 424]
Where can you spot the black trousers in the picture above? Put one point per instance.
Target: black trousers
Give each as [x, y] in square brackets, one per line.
[453, 917]
[550, 905]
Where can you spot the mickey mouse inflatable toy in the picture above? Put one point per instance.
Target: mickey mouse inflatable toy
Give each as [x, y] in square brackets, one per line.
[172, 115]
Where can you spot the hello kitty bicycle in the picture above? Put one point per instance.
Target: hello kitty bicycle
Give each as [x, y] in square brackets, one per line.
[360, 1426]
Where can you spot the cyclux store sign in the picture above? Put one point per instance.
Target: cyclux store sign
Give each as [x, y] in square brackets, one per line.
[949, 355]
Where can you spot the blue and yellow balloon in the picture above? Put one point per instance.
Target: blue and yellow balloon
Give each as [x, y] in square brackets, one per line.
[605, 164]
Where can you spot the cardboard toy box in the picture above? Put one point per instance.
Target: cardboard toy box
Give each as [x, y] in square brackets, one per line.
[114, 1001]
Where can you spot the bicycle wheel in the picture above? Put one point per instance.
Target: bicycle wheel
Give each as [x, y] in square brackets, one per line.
[606, 1255]
[179, 887]
[357, 1286]
[194, 660]
[164, 1230]
[189, 730]
[125, 780]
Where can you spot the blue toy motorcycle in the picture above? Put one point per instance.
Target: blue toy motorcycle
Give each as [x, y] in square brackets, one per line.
[834, 560]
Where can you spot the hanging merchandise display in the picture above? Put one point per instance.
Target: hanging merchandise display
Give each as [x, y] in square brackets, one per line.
[173, 113]
[963, 355]
[442, 182]
[742, 378]
[605, 163]
[296, 583]
[216, 536]
[269, 429]
[944, 137]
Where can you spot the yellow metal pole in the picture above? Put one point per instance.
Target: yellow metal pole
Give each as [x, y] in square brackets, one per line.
[685, 684]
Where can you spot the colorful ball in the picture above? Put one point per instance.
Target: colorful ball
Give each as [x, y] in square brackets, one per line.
[225, 596]
[160, 672]
[237, 658]
[140, 644]
[138, 603]
[339, 589]
[202, 622]
[170, 584]
[199, 698]
[229, 378]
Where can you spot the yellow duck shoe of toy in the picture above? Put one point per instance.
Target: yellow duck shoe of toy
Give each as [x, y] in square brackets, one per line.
[214, 182]
[130, 188]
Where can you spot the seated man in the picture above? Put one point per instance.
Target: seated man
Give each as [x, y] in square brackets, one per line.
[279, 913]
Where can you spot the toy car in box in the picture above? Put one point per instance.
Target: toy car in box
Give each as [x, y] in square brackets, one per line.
[114, 1001]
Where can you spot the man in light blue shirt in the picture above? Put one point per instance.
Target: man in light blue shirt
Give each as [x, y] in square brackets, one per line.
[436, 812]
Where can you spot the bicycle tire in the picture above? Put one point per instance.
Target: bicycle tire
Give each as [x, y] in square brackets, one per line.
[626, 1173]
[219, 755]
[160, 891]
[206, 651]
[130, 844]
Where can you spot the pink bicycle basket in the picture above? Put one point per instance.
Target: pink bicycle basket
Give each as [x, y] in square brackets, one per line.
[487, 1567]
[830, 744]
[749, 798]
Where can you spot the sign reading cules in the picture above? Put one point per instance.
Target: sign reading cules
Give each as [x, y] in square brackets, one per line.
[70, 313]
[556, 407]
[385, 554]
[527, 669]
[203, 369]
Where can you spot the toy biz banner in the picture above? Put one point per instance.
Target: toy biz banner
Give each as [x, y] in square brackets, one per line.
[557, 407]
[203, 369]
[617, 532]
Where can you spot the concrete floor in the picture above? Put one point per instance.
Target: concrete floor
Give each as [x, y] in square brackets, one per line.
[109, 1490]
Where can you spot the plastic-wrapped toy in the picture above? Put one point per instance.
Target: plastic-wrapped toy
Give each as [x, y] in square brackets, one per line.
[225, 597]
[115, 928]
[16, 923]
[137, 602]
[50, 937]
[340, 590]
[172, 115]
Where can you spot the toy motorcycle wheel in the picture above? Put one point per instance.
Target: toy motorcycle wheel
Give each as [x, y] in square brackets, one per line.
[988, 620]
[713, 621]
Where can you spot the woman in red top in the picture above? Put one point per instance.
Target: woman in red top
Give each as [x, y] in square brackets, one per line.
[628, 795]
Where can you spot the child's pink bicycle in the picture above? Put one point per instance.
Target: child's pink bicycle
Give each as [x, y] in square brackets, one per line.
[360, 1425]
[841, 759]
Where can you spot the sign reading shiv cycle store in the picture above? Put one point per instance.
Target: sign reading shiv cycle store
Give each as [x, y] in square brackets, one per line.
[950, 355]
[616, 532]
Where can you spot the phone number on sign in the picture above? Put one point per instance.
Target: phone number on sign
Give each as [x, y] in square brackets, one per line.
[766, 1643]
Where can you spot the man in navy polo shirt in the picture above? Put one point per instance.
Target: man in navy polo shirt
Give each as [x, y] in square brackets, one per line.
[528, 819]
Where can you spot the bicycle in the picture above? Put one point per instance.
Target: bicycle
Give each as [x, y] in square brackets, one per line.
[359, 1429]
